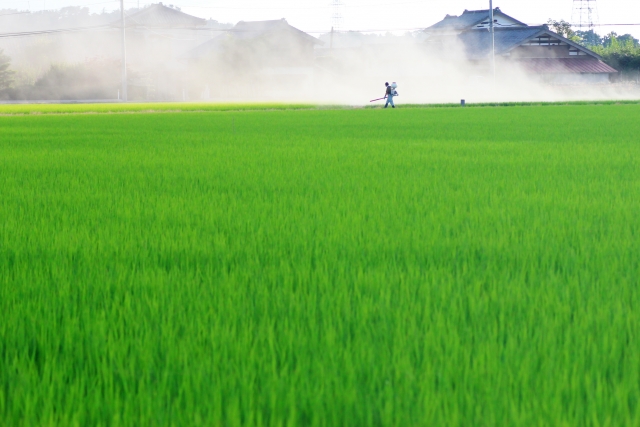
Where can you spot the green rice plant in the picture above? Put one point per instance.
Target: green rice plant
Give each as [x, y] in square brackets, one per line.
[199, 107]
[159, 107]
[423, 267]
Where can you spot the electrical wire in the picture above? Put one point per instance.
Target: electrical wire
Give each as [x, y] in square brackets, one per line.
[15, 13]
[102, 2]
[299, 8]
[56, 31]
[168, 36]
[104, 27]
[108, 26]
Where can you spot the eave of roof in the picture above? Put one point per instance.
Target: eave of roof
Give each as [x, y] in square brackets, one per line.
[572, 43]
[455, 23]
[160, 16]
[249, 31]
[468, 20]
[477, 43]
[254, 29]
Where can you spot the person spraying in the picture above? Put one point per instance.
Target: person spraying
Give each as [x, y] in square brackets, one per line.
[390, 93]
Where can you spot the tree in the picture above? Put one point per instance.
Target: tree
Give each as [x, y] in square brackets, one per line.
[626, 38]
[613, 38]
[6, 75]
[589, 38]
[562, 27]
[623, 55]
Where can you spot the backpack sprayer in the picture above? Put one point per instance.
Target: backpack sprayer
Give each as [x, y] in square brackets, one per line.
[394, 92]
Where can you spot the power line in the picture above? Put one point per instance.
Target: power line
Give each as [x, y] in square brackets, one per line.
[15, 13]
[102, 2]
[231, 30]
[615, 25]
[347, 6]
[56, 31]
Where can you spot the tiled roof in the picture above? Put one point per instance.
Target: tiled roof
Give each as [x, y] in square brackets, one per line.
[477, 43]
[565, 66]
[160, 16]
[466, 21]
[254, 29]
[248, 31]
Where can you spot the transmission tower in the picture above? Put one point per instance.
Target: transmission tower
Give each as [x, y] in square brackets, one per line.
[336, 14]
[585, 15]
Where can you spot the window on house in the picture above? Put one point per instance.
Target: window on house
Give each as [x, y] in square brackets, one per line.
[544, 41]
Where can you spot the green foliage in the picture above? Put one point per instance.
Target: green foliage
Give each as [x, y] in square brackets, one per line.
[563, 28]
[88, 80]
[589, 38]
[623, 53]
[614, 38]
[6, 75]
[620, 52]
[321, 268]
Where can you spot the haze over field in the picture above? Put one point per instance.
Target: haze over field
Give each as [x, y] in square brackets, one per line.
[162, 65]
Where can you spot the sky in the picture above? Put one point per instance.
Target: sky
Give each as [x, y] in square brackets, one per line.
[397, 16]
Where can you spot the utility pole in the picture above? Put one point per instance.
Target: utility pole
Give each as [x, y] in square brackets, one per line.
[331, 40]
[124, 55]
[336, 14]
[493, 44]
[585, 18]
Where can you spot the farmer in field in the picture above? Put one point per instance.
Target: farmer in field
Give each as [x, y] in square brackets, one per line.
[389, 96]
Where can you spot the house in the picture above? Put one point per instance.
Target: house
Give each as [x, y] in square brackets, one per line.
[159, 32]
[473, 20]
[156, 37]
[161, 17]
[536, 50]
[270, 58]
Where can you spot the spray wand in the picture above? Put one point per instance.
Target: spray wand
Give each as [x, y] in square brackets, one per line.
[394, 86]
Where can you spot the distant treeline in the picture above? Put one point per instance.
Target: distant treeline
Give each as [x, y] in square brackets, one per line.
[65, 65]
[622, 52]
[89, 80]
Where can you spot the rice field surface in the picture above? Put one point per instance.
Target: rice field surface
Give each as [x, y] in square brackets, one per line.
[319, 267]
[158, 107]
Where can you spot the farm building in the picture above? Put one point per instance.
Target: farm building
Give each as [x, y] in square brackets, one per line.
[536, 50]
[157, 36]
[270, 58]
[158, 33]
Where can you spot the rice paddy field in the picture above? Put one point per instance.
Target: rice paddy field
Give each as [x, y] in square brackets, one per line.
[301, 266]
